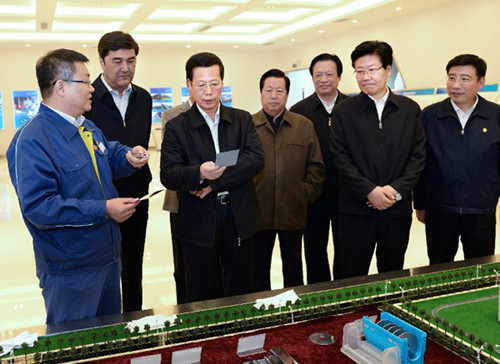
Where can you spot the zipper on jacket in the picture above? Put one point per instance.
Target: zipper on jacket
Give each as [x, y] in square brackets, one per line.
[239, 241]
[330, 121]
[380, 125]
[461, 170]
[124, 123]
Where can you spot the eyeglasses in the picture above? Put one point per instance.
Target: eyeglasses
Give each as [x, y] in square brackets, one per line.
[201, 86]
[73, 81]
[460, 79]
[369, 71]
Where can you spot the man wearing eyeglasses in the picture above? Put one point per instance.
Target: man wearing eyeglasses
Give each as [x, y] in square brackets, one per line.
[326, 73]
[457, 196]
[378, 150]
[122, 110]
[62, 168]
[218, 210]
[291, 180]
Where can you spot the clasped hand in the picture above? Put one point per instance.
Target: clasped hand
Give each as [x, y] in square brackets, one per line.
[381, 198]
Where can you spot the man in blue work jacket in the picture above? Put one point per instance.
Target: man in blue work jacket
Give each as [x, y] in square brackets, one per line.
[62, 168]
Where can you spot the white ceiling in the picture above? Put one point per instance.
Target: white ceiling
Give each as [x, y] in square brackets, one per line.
[222, 22]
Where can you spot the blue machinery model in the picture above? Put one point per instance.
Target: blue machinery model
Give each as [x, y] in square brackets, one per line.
[390, 341]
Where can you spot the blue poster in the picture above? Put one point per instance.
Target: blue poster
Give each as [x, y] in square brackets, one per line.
[227, 96]
[162, 101]
[1, 112]
[25, 105]
[184, 94]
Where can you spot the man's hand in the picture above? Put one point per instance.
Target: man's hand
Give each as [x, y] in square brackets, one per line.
[381, 198]
[138, 156]
[211, 171]
[120, 209]
[420, 215]
[202, 193]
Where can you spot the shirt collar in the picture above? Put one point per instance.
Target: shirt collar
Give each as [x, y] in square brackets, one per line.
[110, 89]
[272, 120]
[207, 118]
[325, 104]
[460, 111]
[383, 100]
[77, 122]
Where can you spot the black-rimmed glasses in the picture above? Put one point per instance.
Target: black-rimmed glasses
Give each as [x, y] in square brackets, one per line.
[73, 81]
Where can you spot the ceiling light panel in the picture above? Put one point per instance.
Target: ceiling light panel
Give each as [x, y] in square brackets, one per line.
[249, 29]
[18, 8]
[211, 1]
[189, 12]
[274, 15]
[26, 25]
[303, 2]
[174, 28]
[77, 9]
[322, 17]
[59, 26]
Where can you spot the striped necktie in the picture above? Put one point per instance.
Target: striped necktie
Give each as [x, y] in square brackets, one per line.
[87, 139]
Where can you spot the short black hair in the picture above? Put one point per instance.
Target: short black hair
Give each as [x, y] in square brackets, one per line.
[381, 49]
[114, 41]
[327, 57]
[468, 60]
[58, 64]
[203, 59]
[274, 73]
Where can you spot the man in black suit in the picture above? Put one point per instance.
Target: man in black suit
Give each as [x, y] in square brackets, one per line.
[122, 110]
[326, 72]
[218, 209]
[378, 151]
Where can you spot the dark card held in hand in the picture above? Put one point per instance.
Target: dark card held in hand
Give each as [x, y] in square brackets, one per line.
[227, 159]
[149, 195]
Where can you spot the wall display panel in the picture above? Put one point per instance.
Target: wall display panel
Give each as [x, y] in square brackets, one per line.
[227, 96]
[489, 92]
[184, 94]
[395, 80]
[441, 94]
[25, 105]
[1, 112]
[423, 97]
[162, 100]
[301, 86]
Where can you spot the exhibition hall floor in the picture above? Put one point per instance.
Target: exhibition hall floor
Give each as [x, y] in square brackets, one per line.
[21, 303]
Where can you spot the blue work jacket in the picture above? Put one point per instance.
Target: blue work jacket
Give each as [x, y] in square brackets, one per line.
[62, 202]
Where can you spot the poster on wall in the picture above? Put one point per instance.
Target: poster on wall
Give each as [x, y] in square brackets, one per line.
[162, 101]
[25, 105]
[227, 96]
[184, 94]
[1, 112]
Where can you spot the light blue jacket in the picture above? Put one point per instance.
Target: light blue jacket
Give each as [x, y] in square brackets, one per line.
[61, 200]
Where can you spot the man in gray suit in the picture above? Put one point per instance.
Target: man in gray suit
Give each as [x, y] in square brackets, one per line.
[171, 204]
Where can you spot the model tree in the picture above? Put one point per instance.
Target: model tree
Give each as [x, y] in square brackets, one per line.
[206, 317]
[167, 326]
[147, 328]
[114, 334]
[105, 335]
[25, 347]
